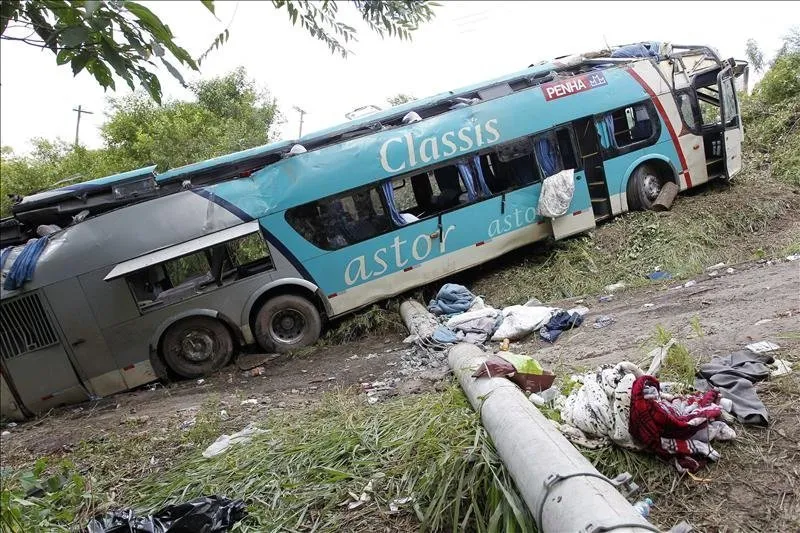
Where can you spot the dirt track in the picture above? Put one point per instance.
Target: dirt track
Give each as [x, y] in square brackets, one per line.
[755, 302]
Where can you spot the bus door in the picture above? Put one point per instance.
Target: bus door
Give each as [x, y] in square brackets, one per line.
[556, 151]
[34, 358]
[731, 121]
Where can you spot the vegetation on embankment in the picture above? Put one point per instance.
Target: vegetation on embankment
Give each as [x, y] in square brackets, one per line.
[431, 447]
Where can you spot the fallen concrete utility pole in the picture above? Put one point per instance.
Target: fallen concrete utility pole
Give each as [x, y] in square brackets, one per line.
[417, 319]
[562, 489]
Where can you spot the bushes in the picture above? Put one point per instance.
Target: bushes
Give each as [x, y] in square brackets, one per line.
[771, 116]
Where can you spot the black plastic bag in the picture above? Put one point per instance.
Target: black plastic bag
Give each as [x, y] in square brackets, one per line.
[209, 514]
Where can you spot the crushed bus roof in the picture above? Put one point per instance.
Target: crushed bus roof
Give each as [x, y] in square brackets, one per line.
[99, 195]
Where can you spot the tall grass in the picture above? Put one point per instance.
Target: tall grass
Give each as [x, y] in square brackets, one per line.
[296, 476]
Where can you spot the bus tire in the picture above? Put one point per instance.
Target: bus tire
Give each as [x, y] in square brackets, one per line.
[197, 346]
[287, 322]
[644, 187]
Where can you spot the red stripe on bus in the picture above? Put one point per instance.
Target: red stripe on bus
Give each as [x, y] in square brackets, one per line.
[333, 295]
[408, 269]
[577, 213]
[540, 222]
[129, 367]
[480, 243]
[664, 116]
[48, 397]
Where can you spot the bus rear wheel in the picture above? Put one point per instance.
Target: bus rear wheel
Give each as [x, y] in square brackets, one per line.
[286, 323]
[644, 187]
[197, 346]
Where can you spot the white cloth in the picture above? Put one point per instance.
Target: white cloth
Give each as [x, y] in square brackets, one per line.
[557, 192]
[601, 406]
[408, 218]
[224, 442]
[486, 312]
[520, 320]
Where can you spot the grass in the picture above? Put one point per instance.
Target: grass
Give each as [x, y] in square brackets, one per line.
[295, 477]
[379, 319]
[719, 223]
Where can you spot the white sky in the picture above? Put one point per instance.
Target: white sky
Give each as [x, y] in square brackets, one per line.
[466, 42]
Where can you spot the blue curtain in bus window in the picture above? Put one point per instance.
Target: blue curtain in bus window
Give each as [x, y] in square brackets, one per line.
[388, 191]
[605, 130]
[547, 155]
[466, 178]
[481, 181]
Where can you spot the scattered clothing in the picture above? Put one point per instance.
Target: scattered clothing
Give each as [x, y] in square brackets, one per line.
[523, 370]
[556, 194]
[734, 376]
[451, 299]
[659, 275]
[445, 335]
[603, 321]
[558, 323]
[520, 320]
[599, 408]
[475, 326]
[209, 514]
[24, 264]
[224, 442]
[781, 367]
[680, 428]
[763, 347]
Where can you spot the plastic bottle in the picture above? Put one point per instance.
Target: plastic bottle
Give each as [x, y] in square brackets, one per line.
[643, 506]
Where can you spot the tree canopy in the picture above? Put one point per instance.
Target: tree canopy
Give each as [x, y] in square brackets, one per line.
[127, 39]
[230, 113]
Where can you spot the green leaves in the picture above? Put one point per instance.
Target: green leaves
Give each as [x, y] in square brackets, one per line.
[122, 36]
[101, 37]
[73, 36]
[392, 18]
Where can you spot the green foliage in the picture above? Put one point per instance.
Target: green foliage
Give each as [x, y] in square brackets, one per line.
[49, 163]
[230, 114]
[771, 116]
[754, 55]
[124, 38]
[101, 37]
[399, 99]
[790, 45]
[429, 447]
[383, 319]
[392, 18]
[43, 498]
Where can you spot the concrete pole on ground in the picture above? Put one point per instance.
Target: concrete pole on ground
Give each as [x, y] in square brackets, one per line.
[541, 460]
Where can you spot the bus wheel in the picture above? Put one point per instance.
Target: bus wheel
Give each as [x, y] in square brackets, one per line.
[644, 187]
[287, 322]
[197, 346]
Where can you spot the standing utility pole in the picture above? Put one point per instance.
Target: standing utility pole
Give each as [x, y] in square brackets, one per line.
[302, 113]
[79, 110]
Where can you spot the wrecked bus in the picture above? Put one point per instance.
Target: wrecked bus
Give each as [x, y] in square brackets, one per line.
[115, 282]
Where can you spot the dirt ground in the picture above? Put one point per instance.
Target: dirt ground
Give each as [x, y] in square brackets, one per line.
[715, 315]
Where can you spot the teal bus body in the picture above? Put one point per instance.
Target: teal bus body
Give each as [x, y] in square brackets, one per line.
[297, 180]
[145, 275]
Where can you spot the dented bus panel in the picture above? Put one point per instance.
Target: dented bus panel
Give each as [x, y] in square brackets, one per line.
[149, 275]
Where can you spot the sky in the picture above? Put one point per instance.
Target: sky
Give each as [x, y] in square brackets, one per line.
[466, 43]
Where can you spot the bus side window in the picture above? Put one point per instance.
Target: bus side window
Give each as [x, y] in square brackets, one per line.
[183, 277]
[335, 222]
[631, 125]
[555, 152]
[512, 165]
[690, 112]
